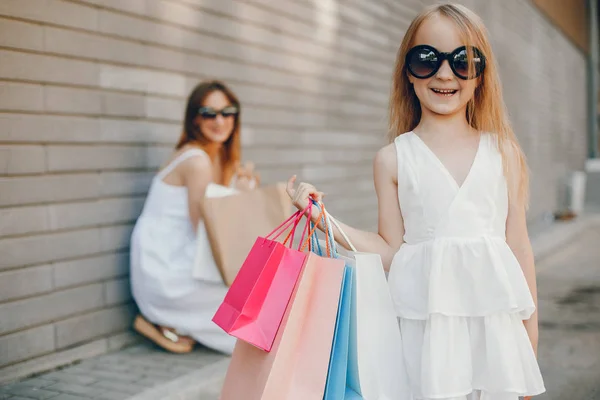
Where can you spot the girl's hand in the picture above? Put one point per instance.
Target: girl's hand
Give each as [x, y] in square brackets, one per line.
[246, 177]
[301, 195]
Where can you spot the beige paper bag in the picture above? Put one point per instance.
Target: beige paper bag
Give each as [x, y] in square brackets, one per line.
[296, 367]
[234, 222]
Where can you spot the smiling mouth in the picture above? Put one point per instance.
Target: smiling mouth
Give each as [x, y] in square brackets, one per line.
[444, 92]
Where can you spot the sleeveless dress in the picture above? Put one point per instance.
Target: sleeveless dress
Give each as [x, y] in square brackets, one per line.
[459, 292]
[164, 251]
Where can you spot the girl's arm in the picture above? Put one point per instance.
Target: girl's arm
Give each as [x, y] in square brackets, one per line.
[518, 241]
[391, 226]
[517, 238]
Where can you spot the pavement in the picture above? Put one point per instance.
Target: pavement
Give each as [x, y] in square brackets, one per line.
[569, 307]
[141, 372]
[568, 264]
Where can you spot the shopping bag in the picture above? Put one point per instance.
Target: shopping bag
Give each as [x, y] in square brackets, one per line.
[342, 376]
[205, 266]
[255, 303]
[337, 387]
[233, 222]
[296, 367]
[380, 358]
[377, 354]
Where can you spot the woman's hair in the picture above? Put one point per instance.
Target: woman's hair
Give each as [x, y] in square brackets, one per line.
[486, 111]
[231, 150]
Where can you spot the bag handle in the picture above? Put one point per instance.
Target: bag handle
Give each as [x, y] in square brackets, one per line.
[314, 227]
[314, 241]
[337, 225]
[329, 240]
[292, 232]
[292, 219]
[329, 230]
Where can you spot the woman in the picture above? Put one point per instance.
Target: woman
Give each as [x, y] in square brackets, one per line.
[176, 309]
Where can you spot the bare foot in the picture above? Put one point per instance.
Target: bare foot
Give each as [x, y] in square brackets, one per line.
[172, 335]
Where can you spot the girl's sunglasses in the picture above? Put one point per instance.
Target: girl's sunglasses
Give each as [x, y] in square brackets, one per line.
[424, 61]
[211, 113]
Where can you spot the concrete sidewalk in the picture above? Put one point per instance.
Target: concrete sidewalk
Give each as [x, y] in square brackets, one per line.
[141, 372]
[144, 372]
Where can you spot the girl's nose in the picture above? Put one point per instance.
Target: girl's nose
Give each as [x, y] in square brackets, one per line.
[445, 72]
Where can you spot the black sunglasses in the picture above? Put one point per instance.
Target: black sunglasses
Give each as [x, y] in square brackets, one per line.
[424, 61]
[211, 113]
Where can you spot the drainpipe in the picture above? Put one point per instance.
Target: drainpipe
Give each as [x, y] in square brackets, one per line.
[593, 78]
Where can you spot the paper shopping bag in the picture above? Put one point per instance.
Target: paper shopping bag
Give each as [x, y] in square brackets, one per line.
[380, 358]
[296, 367]
[378, 355]
[255, 303]
[339, 377]
[234, 222]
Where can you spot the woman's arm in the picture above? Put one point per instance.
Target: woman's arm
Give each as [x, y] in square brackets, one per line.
[197, 174]
[391, 226]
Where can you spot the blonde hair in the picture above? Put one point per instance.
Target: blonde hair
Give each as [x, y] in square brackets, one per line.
[486, 111]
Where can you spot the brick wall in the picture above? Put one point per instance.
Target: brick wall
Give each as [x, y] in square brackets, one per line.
[544, 80]
[91, 99]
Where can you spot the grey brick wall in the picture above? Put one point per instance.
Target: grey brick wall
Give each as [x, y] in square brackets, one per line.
[544, 79]
[91, 99]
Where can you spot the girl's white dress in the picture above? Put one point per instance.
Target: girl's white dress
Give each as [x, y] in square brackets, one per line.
[174, 279]
[459, 292]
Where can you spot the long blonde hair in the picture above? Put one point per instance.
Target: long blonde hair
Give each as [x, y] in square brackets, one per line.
[486, 111]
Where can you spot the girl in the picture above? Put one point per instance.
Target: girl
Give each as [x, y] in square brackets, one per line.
[452, 194]
[176, 309]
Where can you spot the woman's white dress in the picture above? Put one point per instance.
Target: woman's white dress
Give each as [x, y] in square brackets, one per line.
[166, 254]
[459, 292]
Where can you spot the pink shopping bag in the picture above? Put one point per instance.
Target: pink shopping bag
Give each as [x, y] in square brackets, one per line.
[296, 367]
[256, 301]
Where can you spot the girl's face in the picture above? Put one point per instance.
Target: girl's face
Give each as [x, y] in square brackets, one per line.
[443, 93]
[216, 117]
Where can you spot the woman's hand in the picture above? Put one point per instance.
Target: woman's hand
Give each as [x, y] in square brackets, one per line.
[246, 177]
[300, 196]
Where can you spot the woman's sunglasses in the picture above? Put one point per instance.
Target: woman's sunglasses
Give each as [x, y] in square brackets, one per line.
[424, 61]
[211, 113]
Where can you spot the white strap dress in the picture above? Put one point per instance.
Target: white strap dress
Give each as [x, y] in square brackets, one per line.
[459, 292]
[165, 258]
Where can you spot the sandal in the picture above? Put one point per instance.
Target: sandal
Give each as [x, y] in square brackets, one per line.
[165, 338]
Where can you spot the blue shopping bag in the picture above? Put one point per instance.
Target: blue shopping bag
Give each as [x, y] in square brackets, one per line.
[335, 387]
[342, 377]
[353, 391]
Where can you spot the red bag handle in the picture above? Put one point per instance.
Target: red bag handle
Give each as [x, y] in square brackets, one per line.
[312, 232]
[292, 232]
[293, 219]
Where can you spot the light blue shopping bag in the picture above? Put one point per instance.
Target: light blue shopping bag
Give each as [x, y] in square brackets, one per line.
[335, 387]
[342, 377]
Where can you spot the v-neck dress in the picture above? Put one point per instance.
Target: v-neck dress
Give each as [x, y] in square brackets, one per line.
[167, 254]
[459, 292]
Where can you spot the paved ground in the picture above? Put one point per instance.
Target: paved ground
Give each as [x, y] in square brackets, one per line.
[569, 302]
[569, 286]
[140, 372]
